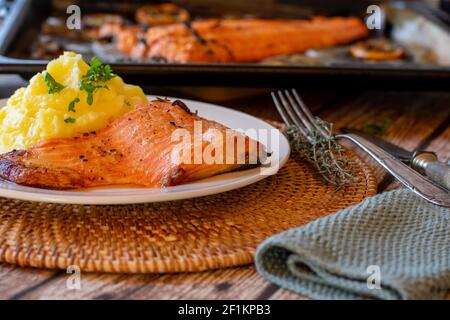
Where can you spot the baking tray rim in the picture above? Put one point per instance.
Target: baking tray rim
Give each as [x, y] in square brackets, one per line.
[8, 65]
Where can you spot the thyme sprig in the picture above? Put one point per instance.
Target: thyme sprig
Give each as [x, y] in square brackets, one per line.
[324, 153]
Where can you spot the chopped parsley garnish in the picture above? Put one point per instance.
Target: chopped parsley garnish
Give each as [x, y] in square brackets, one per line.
[71, 107]
[97, 72]
[90, 88]
[70, 120]
[53, 86]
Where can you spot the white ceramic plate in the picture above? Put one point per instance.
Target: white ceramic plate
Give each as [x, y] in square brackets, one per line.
[220, 183]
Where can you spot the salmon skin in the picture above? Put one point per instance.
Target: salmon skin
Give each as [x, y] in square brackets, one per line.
[135, 149]
[240, 40]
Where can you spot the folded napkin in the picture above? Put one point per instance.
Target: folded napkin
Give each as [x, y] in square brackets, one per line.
[391, 246]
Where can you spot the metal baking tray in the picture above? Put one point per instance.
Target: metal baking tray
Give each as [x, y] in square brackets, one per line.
[425, 37]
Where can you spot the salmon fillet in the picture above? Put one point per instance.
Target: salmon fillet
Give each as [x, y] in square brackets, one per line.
[135, 149]
[242, 40]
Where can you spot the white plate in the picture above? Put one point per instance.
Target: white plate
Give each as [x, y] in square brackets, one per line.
[220, 183]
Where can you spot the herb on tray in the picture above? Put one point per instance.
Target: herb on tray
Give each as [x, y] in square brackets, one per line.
[324, 153]
[52, 84]
[97, 73]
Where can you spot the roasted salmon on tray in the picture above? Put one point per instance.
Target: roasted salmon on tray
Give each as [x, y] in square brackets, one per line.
[138, 148]
[238, 40]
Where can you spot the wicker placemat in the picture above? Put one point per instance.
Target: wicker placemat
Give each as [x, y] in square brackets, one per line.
[189, 235]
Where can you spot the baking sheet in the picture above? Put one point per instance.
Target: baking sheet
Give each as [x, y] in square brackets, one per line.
[425, 39]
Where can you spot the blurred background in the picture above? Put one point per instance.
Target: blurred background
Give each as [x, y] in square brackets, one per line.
[413, 34]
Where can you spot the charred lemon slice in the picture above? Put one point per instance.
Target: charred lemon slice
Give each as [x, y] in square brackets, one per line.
[160, 14]
[379, 49]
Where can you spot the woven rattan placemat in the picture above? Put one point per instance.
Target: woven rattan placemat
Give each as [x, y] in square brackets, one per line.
[188, 235]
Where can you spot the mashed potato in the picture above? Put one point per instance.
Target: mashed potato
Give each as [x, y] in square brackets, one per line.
[33, 114]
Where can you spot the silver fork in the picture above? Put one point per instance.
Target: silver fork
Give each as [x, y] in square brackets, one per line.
[293, 111]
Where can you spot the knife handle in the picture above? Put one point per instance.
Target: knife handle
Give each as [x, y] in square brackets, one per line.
[427, 163]
[407, 176]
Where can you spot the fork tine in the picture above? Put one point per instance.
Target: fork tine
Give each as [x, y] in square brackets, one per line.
[308, 114]
[298, 111]
[287, 108]
[287, 120]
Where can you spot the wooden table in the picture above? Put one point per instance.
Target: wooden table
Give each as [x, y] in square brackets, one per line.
[419, 120]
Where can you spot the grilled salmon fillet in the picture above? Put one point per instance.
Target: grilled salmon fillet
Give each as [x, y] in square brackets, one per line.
[241, 40]
[135, 149]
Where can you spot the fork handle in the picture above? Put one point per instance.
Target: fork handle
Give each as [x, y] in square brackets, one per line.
[426, 162]
[439, 172]
[406, 175]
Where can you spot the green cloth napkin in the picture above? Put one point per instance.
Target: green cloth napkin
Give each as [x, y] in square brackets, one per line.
[396, 235]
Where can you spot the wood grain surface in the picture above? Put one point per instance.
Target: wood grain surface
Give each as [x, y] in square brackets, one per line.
[419, 120]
